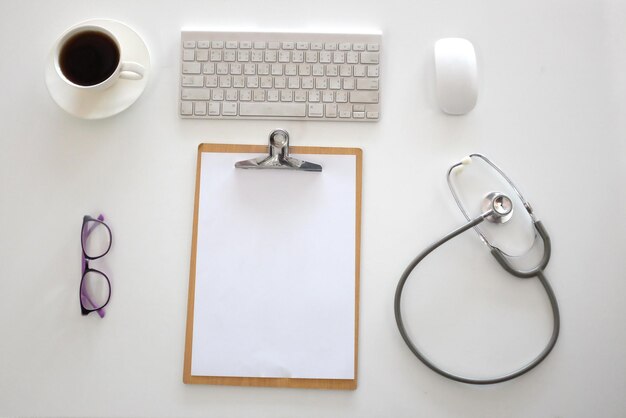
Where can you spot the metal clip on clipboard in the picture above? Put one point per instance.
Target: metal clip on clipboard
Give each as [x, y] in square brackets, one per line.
[278, 156]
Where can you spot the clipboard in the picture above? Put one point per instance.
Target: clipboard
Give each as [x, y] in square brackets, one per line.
[229, 307]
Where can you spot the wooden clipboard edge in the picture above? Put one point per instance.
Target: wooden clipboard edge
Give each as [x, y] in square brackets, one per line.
[340, 384]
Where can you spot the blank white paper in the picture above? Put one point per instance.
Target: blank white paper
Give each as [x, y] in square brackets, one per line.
[275, 270]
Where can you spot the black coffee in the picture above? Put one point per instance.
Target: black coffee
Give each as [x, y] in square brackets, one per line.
[88, 58]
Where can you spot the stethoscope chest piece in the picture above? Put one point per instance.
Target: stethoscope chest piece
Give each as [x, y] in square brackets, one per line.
[496, 207]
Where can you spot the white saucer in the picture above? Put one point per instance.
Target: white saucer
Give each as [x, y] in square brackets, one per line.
[98, 104]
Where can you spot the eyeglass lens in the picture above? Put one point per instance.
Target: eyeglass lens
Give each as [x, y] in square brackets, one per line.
[95, 290]
[96, 239]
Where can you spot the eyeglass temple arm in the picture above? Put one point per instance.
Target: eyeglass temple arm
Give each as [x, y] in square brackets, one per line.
[86, 233]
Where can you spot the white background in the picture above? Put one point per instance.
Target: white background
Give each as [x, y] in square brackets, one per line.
[550, 112]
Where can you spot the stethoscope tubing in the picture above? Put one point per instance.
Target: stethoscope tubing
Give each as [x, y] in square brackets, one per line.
[536, 273]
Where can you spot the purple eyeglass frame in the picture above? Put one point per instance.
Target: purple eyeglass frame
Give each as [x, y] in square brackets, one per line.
[84, 234]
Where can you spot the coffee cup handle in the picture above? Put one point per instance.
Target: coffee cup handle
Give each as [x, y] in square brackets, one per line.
[132, 70]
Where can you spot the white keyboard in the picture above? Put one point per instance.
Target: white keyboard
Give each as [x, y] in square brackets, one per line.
[295, 76]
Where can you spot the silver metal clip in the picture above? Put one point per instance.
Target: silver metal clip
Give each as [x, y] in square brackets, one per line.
[278, 156]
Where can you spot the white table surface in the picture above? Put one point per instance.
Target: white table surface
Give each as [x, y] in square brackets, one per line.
[550, 112]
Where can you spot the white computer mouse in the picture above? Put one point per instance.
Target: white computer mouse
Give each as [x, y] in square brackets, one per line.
[456, 75]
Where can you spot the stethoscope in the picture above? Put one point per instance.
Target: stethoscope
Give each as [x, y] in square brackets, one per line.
[496, 207]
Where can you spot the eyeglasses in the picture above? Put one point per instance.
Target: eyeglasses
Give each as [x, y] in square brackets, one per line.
[95, 287]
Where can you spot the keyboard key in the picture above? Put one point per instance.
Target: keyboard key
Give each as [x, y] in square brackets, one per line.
[331, 110]
[245, 95]
[314, 96]
[259, 95]
[316, 110]
[267, 82]
[364, 96]
[367, 84]
[189, 44]
[334, 83]
[304, 69]
[359, 70]
[297, 56]
[235, 68]
[284, 56]
[311, 56]
[280, 82]
[259, 45]
[199, 108]
[277, 69]
[204, 44]
[208, 68]
[316, 46]
[238, 82]
[348, 84]
[249, 69]
[291, 69]
[372, 47]
[273, 109]
[328, 97]
[231, 95]
[252, 82]
[302, 45]
[359, 46]
[372, 70]
[325, 57]
[344, 46]
[217, 94]
[189, 54]
[191, 67]
[345, 70]
[186, 108]
[230, 56]
[229, 109]
[339, 57]
[318, 70]
[217, 44]
[352, 57]
[216, 55]
[330, 46]
[307, 82]
[294, 82]
[211, 81]
[286, 95]
[369, 57]
[193, 81]
[331, 70]
[263, 69]
[358, 108]
[257, 56]
[270, 56]
[214, 109]
[232, 44]
[372, 115]
[195, 94]
[222, 68]
[288, 45]
[272, 95]
[243, 56]
[341, 97]
[273, 45]
[202, 55]
[321, 83]
[300, 96]
[245, 44]
[358, 115]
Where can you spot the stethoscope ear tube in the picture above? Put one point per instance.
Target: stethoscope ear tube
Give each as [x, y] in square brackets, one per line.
[500, 257]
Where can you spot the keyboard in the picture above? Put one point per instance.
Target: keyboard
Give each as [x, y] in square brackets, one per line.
[294, 76]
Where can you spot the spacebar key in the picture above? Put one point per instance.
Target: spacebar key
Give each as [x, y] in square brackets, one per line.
[272, 109]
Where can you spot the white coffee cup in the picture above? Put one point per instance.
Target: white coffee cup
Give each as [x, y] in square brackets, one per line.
[125, 69]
